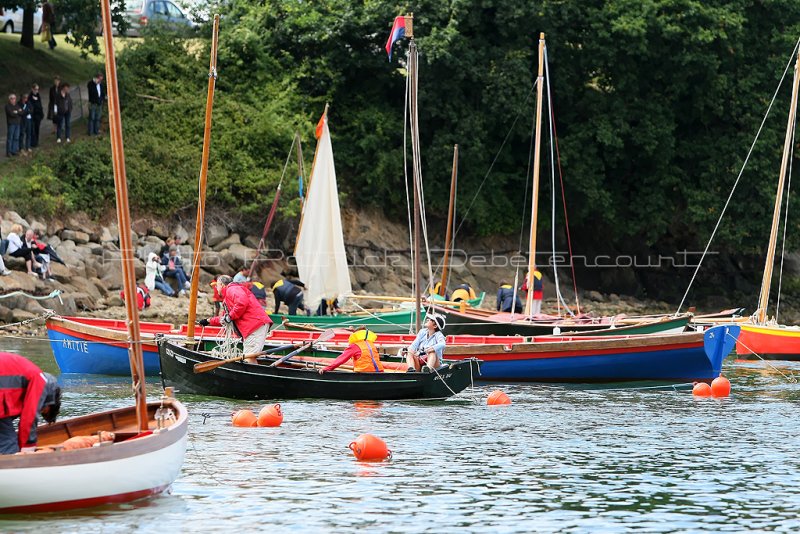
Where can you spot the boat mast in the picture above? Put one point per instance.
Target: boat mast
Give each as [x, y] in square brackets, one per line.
[449, 233]
[124, 222]
[773, 235]
[412, 74]
[536, 158]
[201, 201]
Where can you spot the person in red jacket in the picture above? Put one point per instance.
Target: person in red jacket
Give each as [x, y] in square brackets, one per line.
[245, 314]
[362, 350]
[25, 392]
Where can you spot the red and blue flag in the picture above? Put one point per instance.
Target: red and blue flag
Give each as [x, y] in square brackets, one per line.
[398, 32]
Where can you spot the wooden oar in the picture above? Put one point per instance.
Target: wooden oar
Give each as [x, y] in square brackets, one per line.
[325, 336]
[202, 367]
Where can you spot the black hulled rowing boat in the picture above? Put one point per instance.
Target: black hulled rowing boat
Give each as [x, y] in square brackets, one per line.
[240, 380]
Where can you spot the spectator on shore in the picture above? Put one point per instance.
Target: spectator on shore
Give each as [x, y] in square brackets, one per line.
[51, 105]
[13, 123]
[39, 255]
[97, 97]
[48, 24]
[63, 112]
[175, 269]
[165, 247]
[46, 248]
[18, 249]
[35, 100]
[153, 279]
[3, 248]
[26, 126]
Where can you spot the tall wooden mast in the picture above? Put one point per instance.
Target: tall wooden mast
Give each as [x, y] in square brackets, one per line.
[412, 109]
[536, 158]
[763, 300]
[201, 199]
[448, 245]
[124, 222]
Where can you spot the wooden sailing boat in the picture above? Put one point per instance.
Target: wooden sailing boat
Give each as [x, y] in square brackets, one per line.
[760, 336]
[146, 452]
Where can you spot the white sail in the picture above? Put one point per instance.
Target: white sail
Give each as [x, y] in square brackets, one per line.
[319, 252]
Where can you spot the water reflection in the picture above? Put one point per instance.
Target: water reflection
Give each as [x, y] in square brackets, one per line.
[557, 459]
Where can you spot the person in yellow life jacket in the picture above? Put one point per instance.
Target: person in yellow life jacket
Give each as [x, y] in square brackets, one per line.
[436, 288]
[363, 352]
[463, 292]
[538, 291]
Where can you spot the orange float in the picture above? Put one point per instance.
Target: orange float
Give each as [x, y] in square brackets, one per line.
[497, 398]
[701, 389]
[367, 447]
[270, 416]
[721, 387]
[244, 418]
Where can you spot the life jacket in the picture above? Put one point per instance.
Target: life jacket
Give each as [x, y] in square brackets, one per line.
[370, 360]
[463, 292]
[257, 288]
[285, 291]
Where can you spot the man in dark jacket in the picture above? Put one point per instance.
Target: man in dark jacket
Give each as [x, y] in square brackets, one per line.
[25, 392]
[63, 112]
[506, 301]
[35, 100]
[51, 105]
[14, 114]
[97, 97]
[290, 293]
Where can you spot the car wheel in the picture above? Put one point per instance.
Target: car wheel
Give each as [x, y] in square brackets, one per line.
[9, 27]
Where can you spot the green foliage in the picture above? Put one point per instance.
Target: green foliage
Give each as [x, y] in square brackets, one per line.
[35, 189]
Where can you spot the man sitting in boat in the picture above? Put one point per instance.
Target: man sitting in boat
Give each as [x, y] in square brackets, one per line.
[463, 292]
[289, 292]
[362, 351]
[25, 392]
[244, 313]
[427, 350]
[506, 300]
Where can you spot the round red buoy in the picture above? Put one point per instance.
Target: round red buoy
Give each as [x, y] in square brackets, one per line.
[270, 416]
[721, 387]
[497, 397]
[367, 447]
[244, 418]
[701, 389]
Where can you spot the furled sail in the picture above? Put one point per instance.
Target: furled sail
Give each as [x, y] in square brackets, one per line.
[319, 252]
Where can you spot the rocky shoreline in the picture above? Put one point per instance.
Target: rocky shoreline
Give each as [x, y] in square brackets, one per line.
[378, 250]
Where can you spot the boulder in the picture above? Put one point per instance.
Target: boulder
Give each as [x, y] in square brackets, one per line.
[109, 233]
[140, 269]
[62, 273]
[180, 233]
[18, 315]
[215, 233]
[98, 284]
[143, 251]
[595, 296]
[114, 300]
[215, 263]
[77, 236]
[232, 239]
[142, 226]
[84, 301]
[158, 229]
[19, 281]
[39, 226]
[96, 248]
[5, 315]
[82, 285]
[54, 241]
[112, 280]
[14, 218]
[237, 255]
[5, 227]
[55, 226]
[252, 241]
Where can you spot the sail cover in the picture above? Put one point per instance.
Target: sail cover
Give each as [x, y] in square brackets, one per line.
[319, 252]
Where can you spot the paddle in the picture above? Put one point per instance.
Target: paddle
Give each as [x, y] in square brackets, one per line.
[325, 336]
[202, 367]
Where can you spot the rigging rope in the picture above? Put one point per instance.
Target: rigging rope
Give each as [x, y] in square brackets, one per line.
[44, 315]
[738, 178]
[405, 182]
[53, 294]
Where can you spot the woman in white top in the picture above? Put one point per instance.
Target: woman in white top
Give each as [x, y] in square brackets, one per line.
[18, 249]
[153, 278]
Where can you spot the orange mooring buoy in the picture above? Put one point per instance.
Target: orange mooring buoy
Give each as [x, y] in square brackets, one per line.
[270, 416]
[701, 389]
[497, 397]
[367, 447]
[244, 418]
[721, 387]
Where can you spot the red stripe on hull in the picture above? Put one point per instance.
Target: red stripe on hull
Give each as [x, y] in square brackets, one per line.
[147, 346]
[85, 503]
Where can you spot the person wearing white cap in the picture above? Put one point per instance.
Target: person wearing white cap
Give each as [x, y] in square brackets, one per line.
[427, 350]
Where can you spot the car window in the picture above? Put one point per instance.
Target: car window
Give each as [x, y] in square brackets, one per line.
[160, 8]
[134, 6]
[174, 12]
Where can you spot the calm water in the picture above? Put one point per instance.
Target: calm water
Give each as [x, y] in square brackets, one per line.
[558, 459]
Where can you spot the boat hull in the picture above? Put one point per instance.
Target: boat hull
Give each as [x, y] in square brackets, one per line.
[241, 380]
[675, 358]
[112, 473]
[769, 343]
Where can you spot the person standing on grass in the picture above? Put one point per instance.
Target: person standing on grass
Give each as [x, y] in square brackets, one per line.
[35, 100]
[26, 126]
[13, 123]
[97, 97]
[52, 111]
[48, 24]
[64, 113]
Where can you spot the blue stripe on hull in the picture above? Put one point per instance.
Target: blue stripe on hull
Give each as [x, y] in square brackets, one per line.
[75, 355]
[679, 365]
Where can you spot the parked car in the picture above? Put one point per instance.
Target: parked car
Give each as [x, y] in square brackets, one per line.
[11, 20]
[140, 13]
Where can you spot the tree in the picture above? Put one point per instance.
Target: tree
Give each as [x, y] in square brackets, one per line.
[81, 18]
